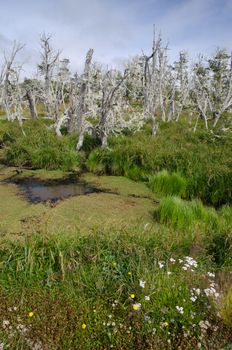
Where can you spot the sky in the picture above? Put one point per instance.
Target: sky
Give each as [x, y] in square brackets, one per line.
[116, 29]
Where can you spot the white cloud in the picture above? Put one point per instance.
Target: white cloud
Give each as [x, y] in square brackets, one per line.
[115, 29]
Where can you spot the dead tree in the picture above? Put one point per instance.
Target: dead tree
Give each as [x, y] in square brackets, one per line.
[111, 83]
[78, 102]
[49, 59]
[30, 87]
[212, 87]
[10, 76]
[183, 80]
[154, 76]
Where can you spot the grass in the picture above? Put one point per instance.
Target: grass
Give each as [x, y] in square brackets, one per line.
[129, 204]
[183, 214]
[177, 150]
[165, 183]
[89, 293]
[39, 147]
[139, 157]
[98, 272]
[78, 282]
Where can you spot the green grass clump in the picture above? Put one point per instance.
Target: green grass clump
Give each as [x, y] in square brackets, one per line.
[39, 148]
[183, 214]
[166, 183]
[99, 161]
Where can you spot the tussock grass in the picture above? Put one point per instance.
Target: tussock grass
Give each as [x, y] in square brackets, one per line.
[39, 148]
[166, 183]
[183, 214]
[203, 159]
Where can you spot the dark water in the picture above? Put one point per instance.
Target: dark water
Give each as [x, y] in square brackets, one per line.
[38, 191]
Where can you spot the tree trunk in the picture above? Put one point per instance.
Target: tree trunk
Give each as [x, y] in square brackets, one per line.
[154, 126]
[32, 105]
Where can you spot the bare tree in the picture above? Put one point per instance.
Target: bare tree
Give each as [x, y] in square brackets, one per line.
[49, 59]
[110, 85]
[183, 81]
[10, 79]
[78, 102]
[31, 87]
[154, 78]
[212, 87]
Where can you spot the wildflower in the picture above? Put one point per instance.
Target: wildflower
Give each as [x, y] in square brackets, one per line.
[204, 325]
[83, 326]
[180, 309]
[166, 324]
[136, 306]
[129, 273]
[5, 324]
[211, 292]
[31, 314]
[161, 264]
[190, 261]
[172, 260]
[142, 283]
[153, 330]
[147, 297]
[132, 296]
[94, 310]
[22, 329]
[169, 273]
[211, 274]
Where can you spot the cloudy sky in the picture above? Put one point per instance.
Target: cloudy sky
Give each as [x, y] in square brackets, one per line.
[115, 29]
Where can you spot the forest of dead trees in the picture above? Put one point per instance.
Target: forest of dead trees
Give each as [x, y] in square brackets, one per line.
[103, 101]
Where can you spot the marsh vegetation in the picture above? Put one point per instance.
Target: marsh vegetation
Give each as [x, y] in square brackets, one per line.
[144, 260]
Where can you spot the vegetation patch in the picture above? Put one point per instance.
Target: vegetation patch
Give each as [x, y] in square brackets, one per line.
[166, 183]
[106, 291]
[183, 214]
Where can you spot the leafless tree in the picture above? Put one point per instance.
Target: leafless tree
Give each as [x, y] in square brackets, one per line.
[10, 95]
[49, 59]
[154, 79]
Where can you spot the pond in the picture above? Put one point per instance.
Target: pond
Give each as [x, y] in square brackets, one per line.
[37, 191]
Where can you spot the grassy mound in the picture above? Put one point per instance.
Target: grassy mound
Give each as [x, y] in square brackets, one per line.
[39, 148]
[166, 183]
[183, 214]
